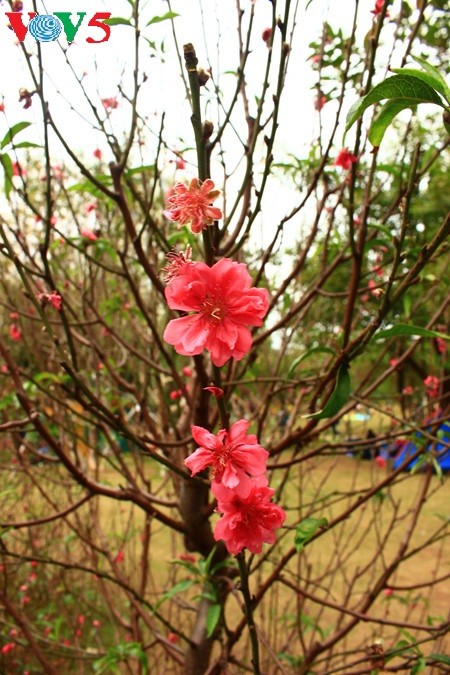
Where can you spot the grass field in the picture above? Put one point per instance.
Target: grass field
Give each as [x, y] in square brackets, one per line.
[340, 567]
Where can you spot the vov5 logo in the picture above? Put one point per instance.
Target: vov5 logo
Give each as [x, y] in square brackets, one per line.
[48, 27]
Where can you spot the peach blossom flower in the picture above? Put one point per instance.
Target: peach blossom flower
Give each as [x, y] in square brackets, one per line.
[97, 153]
[177, 261]
[345, 159]
[192, 205]
[217, 392]
[18, 170]
[267, 35]
[441, 346]
[53, 298]
[119, 557]
[249, 517]
[110, 103]
[223, 305]
[431, 383]
[15, 333]
[319, 102]
[88, 234]
[379, 4]
[232, 454]
[91, 206]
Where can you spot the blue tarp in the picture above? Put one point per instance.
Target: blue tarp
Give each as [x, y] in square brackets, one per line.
[410, 448]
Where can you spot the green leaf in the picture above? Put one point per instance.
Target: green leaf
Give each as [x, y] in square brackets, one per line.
[387, 113]
[187, 565]
[140, 169]
[13, 132]
[436, 74]
[419, 666]
[408, 329]
[306, 530]
[338, 398]
[164, 17]
[8, 169]
[397, 87]
[440, 658]
[299, 359]
[117, 21]
[429, 79]
[212, 618]
[27, 144]
[178, 588]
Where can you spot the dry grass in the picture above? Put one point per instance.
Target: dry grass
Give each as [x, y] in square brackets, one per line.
[340, 566]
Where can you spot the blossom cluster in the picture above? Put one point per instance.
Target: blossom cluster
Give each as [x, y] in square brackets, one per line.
[220, 306]
[240, 486]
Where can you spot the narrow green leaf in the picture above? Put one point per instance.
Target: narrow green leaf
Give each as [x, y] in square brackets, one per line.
[27, 144]
[299, 359]
[178, 588]
[212, 618]
[8, 169]
[419, 666]
[338, 398]
[140, 169]
[397, 87]
[429, 79]
[408, 329]
[117, 21]
[306, 530]
[163, 17]
[387, 113]
[8, 137]
[432, 70]
[440, 658]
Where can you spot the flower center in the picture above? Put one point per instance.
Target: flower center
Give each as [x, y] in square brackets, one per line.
[213, 307]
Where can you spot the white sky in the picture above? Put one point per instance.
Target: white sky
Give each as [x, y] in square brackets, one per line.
[109, 63]
[105, 63]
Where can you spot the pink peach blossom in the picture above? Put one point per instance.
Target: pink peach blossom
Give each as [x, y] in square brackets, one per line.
[381, 462]
[345, 159]
[88, 234]
[441, 346]
[379, 4]
[91, 206]
[97, 153]
[8, 647]
[119, 557]
[15, 333]
[180, 163]
[217, 392]
[18, 170]
[267, 35]
[177, 261]
[231, 454]
[110, 103]
[319, 102]
[53, 298]
[191, 205]
[431, 383]
[224, 305]
[249, 517]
